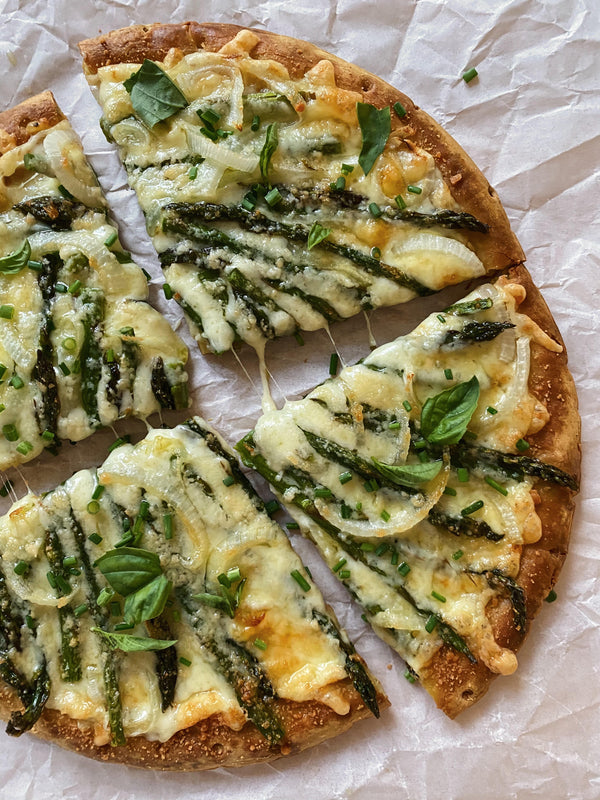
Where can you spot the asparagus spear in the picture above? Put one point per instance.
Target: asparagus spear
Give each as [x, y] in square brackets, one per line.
[166, 660]
[34, 699]
[477, 332]
[57, 213]
[91, 353]
[497, 579]
[161, 388]
[70, 666]
[463, 526]
[48, 411]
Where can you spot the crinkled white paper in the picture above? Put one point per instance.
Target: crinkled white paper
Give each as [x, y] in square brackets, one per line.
[531, 121]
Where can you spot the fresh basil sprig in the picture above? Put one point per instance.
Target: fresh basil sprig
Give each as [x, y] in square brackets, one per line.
[154, 96]
[148, 602]
[375, 125]
[316, 234]
[269, 147]
[412, 475]
[445, 417]
[128, 569]
[16, 261]
[133, 644]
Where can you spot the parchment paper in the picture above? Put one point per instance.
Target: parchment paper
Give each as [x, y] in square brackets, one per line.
[531, 121]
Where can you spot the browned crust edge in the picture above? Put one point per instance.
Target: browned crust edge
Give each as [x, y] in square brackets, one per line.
[451, 679]
[208, 744]
[20, 123]
[498, 249]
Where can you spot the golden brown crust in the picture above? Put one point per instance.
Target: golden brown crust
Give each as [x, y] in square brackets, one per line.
[19, 124]
[210, 743]
[497, 249]
[453, 681]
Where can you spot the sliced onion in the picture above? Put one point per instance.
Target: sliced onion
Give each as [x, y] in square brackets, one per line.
[31, 592]
[515, 393]
[130, 132]
[71, 169]
[401, 518]
[188, 84]
[462, 262]
[219, 153]
[261, 72]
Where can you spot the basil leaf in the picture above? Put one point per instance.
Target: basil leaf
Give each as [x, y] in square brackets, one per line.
[412, 475]
[154, 96]
[133, 644]
[14, 262]
[445, 417]
[469, 306]
[316, 234]
[148, 602]
[128, 569]
[269, 147]
[375, 126]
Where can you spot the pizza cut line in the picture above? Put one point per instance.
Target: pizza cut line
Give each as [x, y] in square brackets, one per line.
[436, 479]
[79, 345]
[154, 615]
[285, 189]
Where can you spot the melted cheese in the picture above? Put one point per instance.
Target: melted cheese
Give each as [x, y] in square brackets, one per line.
[215, 527]
[354, 411]
[319, 141]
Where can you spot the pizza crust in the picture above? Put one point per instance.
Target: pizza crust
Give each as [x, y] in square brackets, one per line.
[498, 249]
[452, 680]
[19, 124]
[211, 743]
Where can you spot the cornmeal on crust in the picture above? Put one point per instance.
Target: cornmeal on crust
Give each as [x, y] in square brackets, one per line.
[154, 615]
[266, 214]
[79, 346]
[451, 567]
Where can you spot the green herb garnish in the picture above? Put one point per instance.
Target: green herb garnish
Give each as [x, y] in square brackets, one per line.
[154, 96]
[375, 125]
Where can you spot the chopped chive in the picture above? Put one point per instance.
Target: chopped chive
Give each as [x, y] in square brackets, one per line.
[234, 574]
[339, 565]
[346, 511]
[168, 525]
[449, 491]
[399, 109]
[24, 447]
[110, 356]
[359, 506]
[209, 116]
[69, 561]
[334, 361]
[463, 474]
[271, 507]
[98, 492]
[145, 271]
[93, 507]
[74, 571]
[51, 578]
[375, 210]
[64, 369]
[491, 410]
[260, 644]
[16, 382]
[522, 445]
[376, 253]
[10, 432]
[407, 406]
[432, 621]
[185, 661]
[367, 547]
[36, 266]
[111, 239]
[6, 312]
[3, 369]
[121, 440]
[457, 555]
[69, 343]
[193, 172]
[469, 75]
[168, 291]
[308, 572]
[344, 574]
[400, 202]
[322, 491]
[491, 482]
[255, 123]
[339, 185]
[448, 374]
[393, 426]
[551, 596]
[381, 549]
[438, 596]
[6, 488]
[75, 287]
[410, 677]
[65, 192]
[79, 610]
[292, 526]
[414, 189]
[421, 445]
[61, 287]
[371, 485]
[128, 331]
[345, 477]
[298, 338]
[394, 559]
[300, 580]
[472, 508]
[385, 515]
[346, 169]
[273, 197]
[229, 480]
[95, 538]
[2, 407]
[30, 622]
[404, 569]
[21, 567]
[124, 626]
[441, 319]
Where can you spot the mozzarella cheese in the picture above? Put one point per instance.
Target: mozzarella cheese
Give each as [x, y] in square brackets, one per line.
[287, 284]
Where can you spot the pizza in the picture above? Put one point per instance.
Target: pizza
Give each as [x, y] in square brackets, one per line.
[284, 188]
[436, 477]
[79, 346]
[155, 615]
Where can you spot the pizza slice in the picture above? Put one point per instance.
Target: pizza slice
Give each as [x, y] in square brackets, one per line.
[79, 346]
[283, 187]
[155, 615]
[437, 477]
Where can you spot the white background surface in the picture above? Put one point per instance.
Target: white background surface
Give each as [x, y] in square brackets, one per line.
[532, 123]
